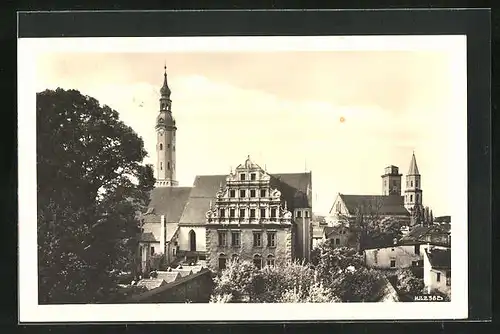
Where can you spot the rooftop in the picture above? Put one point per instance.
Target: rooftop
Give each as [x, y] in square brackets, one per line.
[439, 258]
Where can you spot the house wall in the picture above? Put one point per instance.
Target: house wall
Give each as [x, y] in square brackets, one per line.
[403, 255]
[195, 288]
[282, 251]
[340, 237]
[303, 238]
[183, 238]
[430, 278]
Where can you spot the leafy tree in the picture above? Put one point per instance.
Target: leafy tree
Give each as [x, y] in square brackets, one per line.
[358, 285]
[91, 186]
[408, 283]
[314, 293]
[237, 280]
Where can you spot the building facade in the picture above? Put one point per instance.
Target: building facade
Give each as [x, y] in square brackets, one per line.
[271, 211]
[437, 270]
[249, 220]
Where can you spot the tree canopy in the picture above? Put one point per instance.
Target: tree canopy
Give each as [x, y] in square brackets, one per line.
[92, 183]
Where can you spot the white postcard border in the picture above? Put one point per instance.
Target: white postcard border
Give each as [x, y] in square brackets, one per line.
[30, 311]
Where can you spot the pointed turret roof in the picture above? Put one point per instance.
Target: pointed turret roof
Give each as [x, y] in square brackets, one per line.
[165, 90]
[413, 170]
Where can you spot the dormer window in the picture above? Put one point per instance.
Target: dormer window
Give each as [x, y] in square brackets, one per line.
[242, 177]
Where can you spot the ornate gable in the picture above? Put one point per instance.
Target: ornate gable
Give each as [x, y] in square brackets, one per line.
[248, 198]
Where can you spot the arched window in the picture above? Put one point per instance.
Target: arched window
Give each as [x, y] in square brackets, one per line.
[257, 261]
[270, 260]
[222, 261]
[192, 241]
[161, 146]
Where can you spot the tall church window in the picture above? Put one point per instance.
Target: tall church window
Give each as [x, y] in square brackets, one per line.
[161, 146]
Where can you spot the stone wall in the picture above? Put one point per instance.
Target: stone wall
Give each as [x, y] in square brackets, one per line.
[246, 251]
[195, 288]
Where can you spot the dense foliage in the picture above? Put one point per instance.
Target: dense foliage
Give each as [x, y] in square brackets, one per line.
[408, 283]
[91, 185]
[290, 282]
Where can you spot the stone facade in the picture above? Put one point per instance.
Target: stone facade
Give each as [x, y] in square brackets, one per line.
[248, 220]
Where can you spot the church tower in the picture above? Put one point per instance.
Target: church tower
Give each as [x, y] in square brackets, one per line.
[391, 181]
[165, 139]
[413, 192]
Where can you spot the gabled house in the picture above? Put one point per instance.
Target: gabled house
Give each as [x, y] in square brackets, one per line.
[339, 235]
[437, 270]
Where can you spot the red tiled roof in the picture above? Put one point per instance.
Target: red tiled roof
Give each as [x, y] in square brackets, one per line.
[385, 205]
[439, 258]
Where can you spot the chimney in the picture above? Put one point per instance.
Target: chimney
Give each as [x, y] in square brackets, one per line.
[162, 233]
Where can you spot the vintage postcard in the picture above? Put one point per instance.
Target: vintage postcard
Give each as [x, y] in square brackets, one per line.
[243, 178]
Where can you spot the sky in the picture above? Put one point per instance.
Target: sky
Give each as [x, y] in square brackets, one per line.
[284, 109]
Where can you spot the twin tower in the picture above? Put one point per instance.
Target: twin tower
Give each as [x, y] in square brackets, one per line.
[391, 184]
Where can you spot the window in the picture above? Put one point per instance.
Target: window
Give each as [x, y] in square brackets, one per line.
[306, 214]
[161, 146]
[235, 239]
[338, 207]
[242, 193]
[414, 263]
[438, 277]
[242, 177]
[257, 261]
[252, 193]
[416, 183]
[252, 213]
[262, 213]
[299, 213]
[271, 239]
[411, 198]
[232, 213]
[273, 213]
[168, 165]
[253, 176]
[222, 213]
[242, 213]
[393, 263]
[222, 239]
[411, 183]
[232, 193]
[337, 241]
[234, 258]
[270, 260]
[161, 165]
[417, 249]
[222, 262]
[152, 251]
[263, 193]
[257, 239]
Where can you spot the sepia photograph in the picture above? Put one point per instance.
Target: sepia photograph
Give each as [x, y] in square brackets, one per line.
[170, 175]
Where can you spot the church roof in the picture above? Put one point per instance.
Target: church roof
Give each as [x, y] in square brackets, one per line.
[295, 188]
[413, 170]
[167, 201]
[385, 205]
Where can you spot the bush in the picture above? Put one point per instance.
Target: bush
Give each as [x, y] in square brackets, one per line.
[358, 285]
[238, 280]
[408, 283]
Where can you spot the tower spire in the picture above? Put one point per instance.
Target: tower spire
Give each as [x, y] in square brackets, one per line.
[165, 90]
[413, 170]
